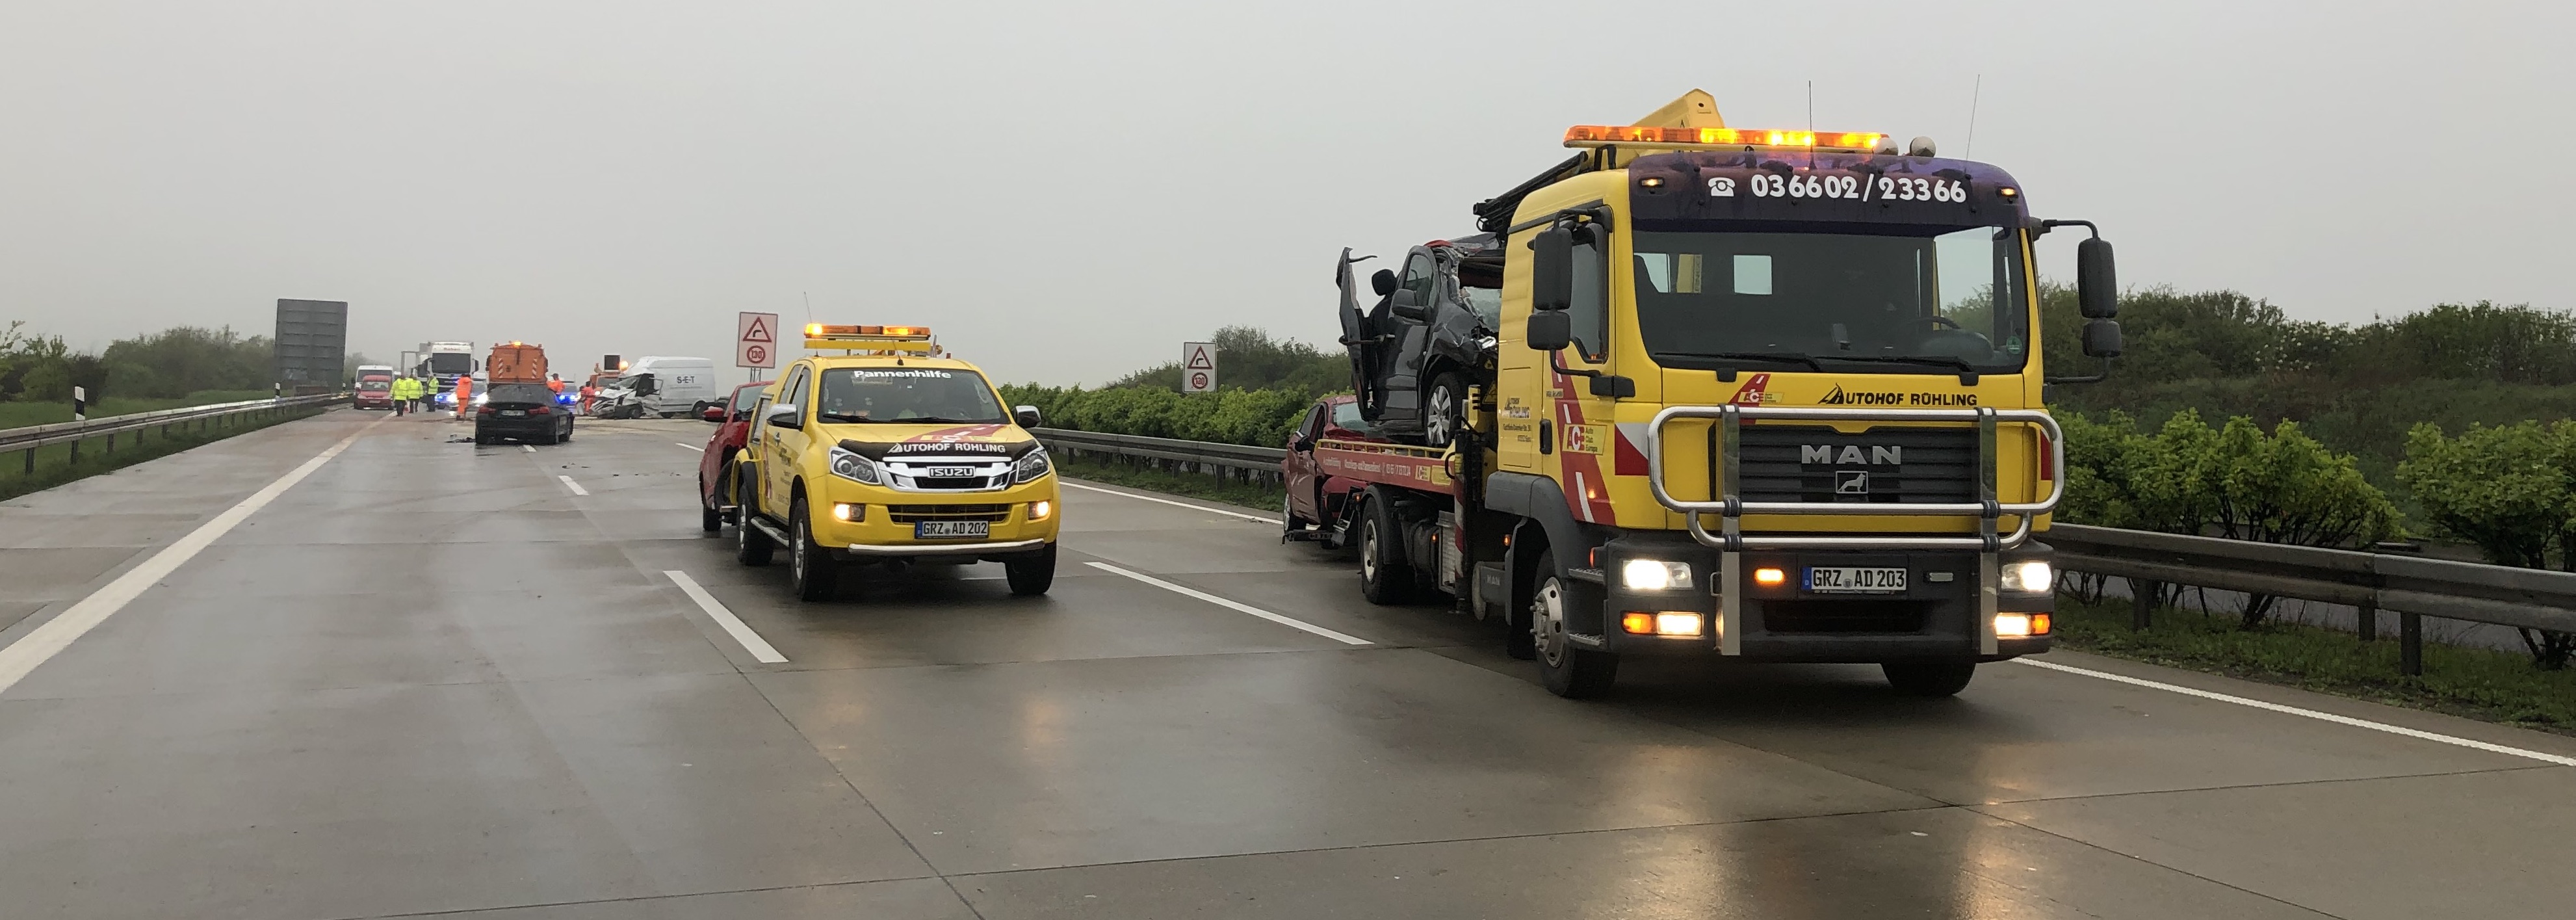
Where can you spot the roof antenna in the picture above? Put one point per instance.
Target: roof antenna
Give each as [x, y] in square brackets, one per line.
[1973, 96]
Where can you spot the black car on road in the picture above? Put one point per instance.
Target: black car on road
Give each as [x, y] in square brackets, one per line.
[523, 412]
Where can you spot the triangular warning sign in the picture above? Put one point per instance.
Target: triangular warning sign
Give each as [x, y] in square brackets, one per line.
[1199, 360]
[759, 331]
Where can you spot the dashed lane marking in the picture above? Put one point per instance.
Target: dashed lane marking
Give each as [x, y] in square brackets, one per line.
[1166, 501]
[1345, 638]
[41, 644]
[759, 648]
[2305, 713]
[574, 486]
[692, 447]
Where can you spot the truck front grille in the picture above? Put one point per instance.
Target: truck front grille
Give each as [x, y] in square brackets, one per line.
[1798, 463]
[906, 514]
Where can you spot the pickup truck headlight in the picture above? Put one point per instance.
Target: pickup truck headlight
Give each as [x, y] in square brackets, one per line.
[2033, 577]
[1030, 467]
[849, 465]
[1654, 575]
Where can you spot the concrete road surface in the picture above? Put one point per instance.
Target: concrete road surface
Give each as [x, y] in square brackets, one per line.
[430, 678]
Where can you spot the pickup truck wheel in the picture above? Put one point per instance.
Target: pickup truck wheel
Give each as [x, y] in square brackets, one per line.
[810, 569]
[1444, 412]
[710, 515]
[1384, 576]
[1031, 574]
[1568, 671]
[749, 546]
[1932, 677]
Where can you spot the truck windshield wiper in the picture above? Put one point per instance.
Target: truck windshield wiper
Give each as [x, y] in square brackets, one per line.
[838, 417]
[1939, 360]
[944, 420]
[1785, 357]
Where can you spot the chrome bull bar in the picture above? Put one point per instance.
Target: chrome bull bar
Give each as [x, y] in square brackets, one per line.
[1731, 508]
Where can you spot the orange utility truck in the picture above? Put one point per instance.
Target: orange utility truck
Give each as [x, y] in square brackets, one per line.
[516, 362]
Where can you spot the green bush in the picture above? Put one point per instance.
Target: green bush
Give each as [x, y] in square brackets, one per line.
[2234, 481]
[2511, 492]
[1231, 416]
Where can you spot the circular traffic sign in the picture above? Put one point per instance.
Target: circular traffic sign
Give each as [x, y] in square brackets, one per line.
[757, 354]
[1198, 380]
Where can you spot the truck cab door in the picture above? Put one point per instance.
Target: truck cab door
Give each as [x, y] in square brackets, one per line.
[781, 447]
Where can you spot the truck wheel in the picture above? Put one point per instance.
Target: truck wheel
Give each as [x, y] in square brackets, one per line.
[1289, 522]
[750, 547]
[1031, 574]
[1444, 413]
[810, 569]
[1933, 677]
[1570, 672]
[1384, 576]
[710, 517]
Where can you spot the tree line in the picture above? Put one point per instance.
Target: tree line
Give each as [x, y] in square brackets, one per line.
[168, 364]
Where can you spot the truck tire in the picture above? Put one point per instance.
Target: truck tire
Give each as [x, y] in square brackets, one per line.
[1385, 578]
[710, 517]
[1444, 410]
[1930, 677]
[811, 573]
[1567, 671]
[1030, 574]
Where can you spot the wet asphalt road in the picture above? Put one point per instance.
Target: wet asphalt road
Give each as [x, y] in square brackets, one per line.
[430, 678]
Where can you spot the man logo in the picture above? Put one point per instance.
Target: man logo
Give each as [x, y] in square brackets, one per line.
[1879, 455]
[1851, 482]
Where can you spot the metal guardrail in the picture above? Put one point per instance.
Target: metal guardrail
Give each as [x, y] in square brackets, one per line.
[2410, 586]
[26, 440]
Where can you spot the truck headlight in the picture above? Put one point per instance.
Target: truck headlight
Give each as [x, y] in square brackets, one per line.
[1031, 466]
[849, 465]
[2032, 577]
[1654, 575]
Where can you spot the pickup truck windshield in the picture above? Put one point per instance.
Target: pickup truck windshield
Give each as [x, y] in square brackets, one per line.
[1926, 300]
[907, 394]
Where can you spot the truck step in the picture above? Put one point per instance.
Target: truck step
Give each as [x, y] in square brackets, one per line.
[769, 528]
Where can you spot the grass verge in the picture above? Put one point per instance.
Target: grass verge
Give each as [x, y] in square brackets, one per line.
[1111, 472]
[2495, 686]
[55, 466]
[23, 414]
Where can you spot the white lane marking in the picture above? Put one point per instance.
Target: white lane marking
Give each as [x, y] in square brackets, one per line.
[692, 447]
[759, 648]
[527, 448]
[1345, 638]
[42, 643]
[1166, 501]
[574, 486]
[2307, 713]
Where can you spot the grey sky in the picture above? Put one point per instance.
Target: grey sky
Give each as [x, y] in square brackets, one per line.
[1066, 191]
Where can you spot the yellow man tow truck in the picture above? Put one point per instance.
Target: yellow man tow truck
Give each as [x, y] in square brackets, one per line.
[1771, 395]
[893, 453]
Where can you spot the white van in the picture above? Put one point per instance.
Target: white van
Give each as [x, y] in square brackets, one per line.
[666, 386]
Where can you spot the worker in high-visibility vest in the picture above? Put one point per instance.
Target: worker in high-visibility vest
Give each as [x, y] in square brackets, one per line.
[464, 396]
[401, 394]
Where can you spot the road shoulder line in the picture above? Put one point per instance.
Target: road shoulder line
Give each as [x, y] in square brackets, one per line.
[1166, 501]
[2306, 713]
[574, 486]
[42, 643]
[1291, 622]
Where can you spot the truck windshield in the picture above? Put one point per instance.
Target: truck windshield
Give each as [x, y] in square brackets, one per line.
[907, 394]
[1941, 299]
[450, 363]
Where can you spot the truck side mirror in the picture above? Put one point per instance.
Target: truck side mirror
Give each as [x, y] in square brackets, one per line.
[1407, 304]
[1550, 330]
[1027, 416]
[785, 415]
[1552, 270]
[1383, 282]
[2097, 287]
[2102, 338]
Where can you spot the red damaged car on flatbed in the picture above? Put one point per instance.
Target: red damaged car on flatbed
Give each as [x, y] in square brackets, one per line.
[716, 460]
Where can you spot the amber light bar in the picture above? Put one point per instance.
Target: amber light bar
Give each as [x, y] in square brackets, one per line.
[823, 331]
[1601, 135]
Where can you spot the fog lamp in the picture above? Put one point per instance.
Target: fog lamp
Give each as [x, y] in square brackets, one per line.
[845, 511]
[1770, 577]
[1038, 511]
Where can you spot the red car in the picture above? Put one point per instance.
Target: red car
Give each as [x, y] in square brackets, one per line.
[375, 391]
[715, 461]
[1314, 499]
